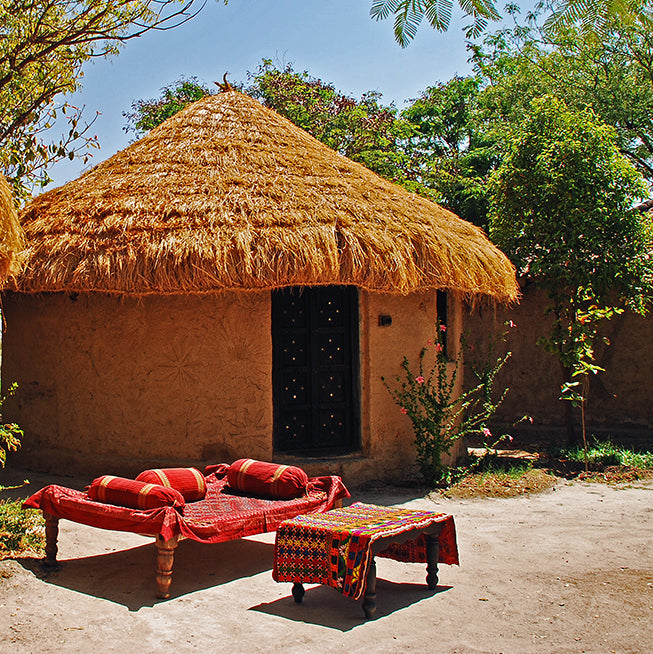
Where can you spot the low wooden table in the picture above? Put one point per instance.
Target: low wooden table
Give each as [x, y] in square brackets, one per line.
[337, 548]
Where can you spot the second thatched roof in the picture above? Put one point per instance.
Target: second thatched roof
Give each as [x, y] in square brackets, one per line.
[11, 235]
[229, 195]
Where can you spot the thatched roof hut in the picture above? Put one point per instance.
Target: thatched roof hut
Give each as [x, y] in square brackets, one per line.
[229, 195]
[11, 235]
[228, 286]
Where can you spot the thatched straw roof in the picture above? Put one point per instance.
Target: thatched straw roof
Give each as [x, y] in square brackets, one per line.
[11, 241]
[229, 195]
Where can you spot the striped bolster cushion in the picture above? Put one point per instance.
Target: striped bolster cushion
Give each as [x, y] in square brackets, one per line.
[133, 494]
[268, 480]
[189, 482]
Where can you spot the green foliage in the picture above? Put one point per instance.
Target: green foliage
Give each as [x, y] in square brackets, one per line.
[562, 211]
[607, 453]
[439, 416]
[593, 17]
[410, 13]
[450, 152]
[613, 75]
[147, 114]
[20, 529]
[10, 433]
[43, 47]
[362, 129]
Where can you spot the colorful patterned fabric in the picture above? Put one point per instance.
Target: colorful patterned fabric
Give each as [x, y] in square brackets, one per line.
[336, 548]
[133, 494]
[188, 481]
[223, 514]
[269, 480]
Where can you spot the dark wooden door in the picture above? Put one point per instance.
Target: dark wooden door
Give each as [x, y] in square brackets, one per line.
[315, 370]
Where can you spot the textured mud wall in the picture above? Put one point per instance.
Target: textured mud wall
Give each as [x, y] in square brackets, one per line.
[620, 399]
[115, 386]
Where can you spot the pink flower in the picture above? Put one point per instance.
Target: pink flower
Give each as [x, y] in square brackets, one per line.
[403, 410]
[511, 324]
[438, 347]
[530, 419]
[486, 432]
[510, 438]
[420, 379]
[429, 342]
[443, 328]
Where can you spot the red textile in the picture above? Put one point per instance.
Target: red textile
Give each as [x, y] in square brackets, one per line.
[222, 515]
[269, 480]
[188, 481]
[133, 494]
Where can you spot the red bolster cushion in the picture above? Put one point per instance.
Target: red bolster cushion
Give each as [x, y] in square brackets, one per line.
[189, 482]
[133, 494]
[268, 480]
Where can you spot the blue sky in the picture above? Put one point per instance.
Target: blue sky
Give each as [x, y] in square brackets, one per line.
[335, 40]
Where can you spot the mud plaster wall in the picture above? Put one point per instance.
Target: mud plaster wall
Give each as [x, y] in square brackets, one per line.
[117, 384]
[620, 399]
[114, 386]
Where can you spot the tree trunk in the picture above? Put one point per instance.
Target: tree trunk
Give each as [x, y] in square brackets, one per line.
[572, 436]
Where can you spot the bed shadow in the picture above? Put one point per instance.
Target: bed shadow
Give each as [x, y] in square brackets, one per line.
[128, 577]
[326, 607]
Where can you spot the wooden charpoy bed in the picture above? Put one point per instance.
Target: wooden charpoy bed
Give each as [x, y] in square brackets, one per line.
[224, 514]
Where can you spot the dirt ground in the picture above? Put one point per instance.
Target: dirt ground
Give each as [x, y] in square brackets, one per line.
[567, 570]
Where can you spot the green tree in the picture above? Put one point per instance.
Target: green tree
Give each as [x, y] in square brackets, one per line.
[43, 45]
[561, 209]
[147, 114]
[612, 75]
[451, 153]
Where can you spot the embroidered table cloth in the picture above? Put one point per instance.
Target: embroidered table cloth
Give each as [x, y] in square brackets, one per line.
[336, 548]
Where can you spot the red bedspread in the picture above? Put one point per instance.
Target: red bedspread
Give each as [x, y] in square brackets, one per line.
[222, 515]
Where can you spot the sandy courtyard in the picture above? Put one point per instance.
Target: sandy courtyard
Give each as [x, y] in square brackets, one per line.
[567, 571]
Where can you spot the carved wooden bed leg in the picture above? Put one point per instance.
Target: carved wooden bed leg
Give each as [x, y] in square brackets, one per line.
[51, 535]
[164, 560]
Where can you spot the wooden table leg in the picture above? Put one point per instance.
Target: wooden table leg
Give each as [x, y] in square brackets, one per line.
[298, 592]
[164, 561]
[51, 536]
[432, 556]
[369, 599]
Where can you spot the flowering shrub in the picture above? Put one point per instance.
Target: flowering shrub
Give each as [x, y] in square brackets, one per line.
[439, 416]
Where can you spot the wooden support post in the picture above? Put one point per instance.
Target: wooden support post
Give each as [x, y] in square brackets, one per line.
[164, 560]
[432, 556]
[369, 599]
[51, 536]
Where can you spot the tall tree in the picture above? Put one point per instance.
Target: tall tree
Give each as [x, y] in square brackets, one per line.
[43, 45]
[613, 76]
[562, 210]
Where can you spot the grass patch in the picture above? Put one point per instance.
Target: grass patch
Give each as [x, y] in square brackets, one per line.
[606, 453]
[21, 530]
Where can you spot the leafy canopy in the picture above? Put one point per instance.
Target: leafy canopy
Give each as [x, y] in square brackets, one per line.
[43, 46]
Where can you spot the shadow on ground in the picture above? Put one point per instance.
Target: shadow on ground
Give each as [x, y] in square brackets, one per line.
[127, 577]
[326, 607]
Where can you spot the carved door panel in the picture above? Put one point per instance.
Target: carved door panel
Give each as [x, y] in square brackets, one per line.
[315, 370]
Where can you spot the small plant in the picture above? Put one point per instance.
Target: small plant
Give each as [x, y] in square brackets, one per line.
[439, 416]
[607, 453]
[10, 433]
[20, 529]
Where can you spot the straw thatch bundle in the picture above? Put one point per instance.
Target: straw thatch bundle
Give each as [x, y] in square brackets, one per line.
[11, 240]
[229, 195]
